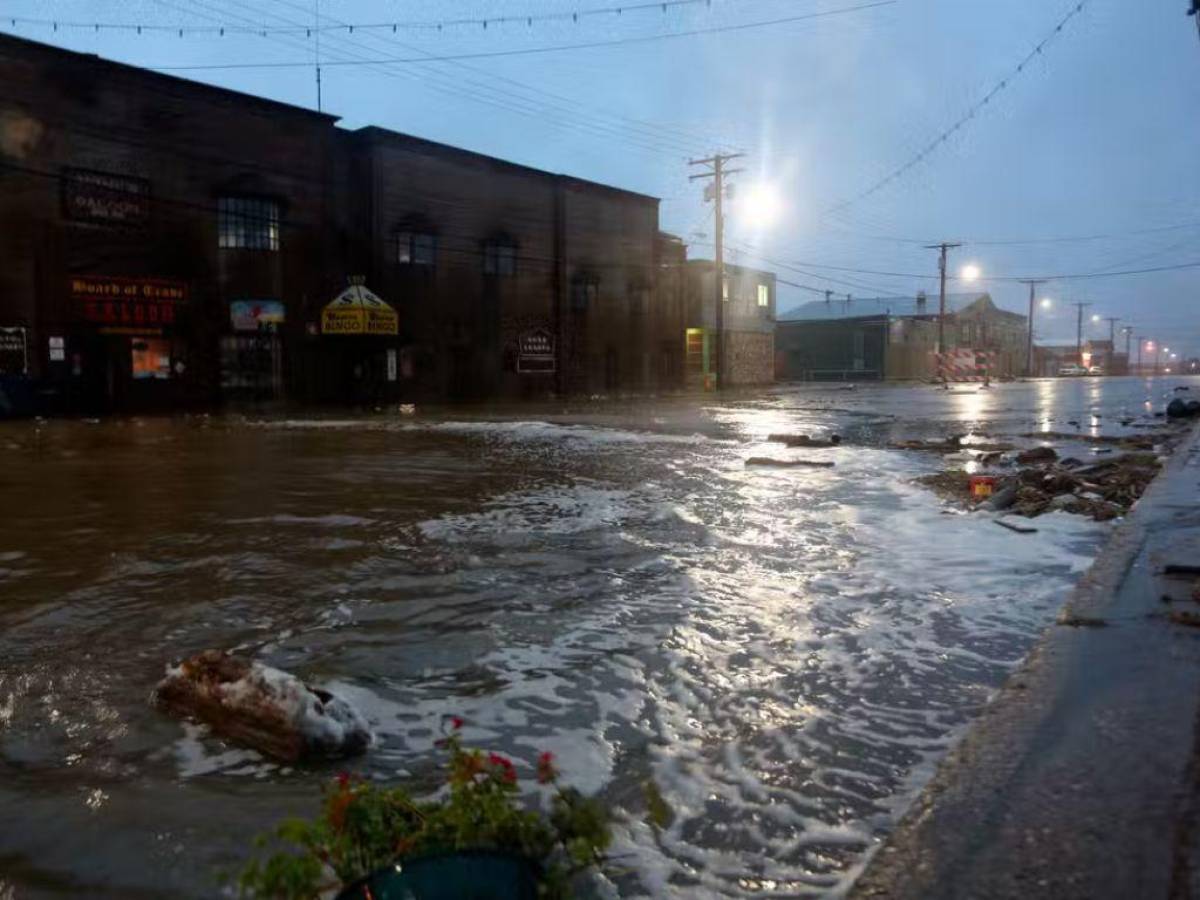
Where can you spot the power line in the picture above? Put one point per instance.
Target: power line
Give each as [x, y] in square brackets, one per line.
[527, 51]
[673, 139]
[495, 97]
[1009, 242]
[971, 112]
[526, 19]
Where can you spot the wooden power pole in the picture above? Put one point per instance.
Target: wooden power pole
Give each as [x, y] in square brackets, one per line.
[941, 341]
[1033, 283]
[718, 172]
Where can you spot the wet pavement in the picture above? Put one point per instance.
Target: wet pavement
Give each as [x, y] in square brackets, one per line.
[1080, 782]
[785, 654]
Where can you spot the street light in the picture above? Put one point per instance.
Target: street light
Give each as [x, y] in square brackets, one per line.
[1095, 318]
[760, 205]
[970, 272]
[1046, 304]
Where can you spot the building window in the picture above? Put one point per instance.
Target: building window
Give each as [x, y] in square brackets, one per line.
[725, 289]
[499, 258]
[584, 292]
[639, 300]
[416, 248]
[764, 295]
[247, 223]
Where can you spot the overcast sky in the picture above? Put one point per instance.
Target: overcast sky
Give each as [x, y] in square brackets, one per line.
[1099, 135]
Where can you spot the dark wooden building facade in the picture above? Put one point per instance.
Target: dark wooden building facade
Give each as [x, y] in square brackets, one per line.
[166, 244]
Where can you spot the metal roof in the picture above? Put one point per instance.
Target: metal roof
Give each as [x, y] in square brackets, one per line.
[858, 307]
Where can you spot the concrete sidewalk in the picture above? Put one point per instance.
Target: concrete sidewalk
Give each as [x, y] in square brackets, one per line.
[1080, 779]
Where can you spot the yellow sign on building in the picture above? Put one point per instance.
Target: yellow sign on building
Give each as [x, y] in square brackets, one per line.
[358, 311]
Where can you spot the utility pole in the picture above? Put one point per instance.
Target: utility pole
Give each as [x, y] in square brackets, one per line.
[717, 172]
[1033, 283]
[1079, 333]
[941, 341]
[1139, 365]
[1112, 342]
[317, 46]
[1127, 330]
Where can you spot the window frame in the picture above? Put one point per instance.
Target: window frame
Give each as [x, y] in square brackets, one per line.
[496, 252]
[248, 222]
[409, 244]
[764, 295]
[585, 291]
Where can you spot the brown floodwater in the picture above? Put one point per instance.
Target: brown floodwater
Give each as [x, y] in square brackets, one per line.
[784, 653]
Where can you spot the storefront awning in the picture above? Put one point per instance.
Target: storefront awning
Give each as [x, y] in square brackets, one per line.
[357, 311]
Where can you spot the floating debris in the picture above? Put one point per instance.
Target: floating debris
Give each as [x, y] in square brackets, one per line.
[803, 440]
[785, 463]
[1037, 454]
[263, 708]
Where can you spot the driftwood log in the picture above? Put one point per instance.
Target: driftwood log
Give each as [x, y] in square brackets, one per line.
[788, 463]
[262, 708]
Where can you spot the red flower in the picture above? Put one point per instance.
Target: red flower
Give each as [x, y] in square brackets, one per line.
[546, 772]
[456, 723]
[343, 779]
[508, 772]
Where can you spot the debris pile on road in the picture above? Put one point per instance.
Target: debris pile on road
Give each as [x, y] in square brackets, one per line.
[263, 708]
[1102, 490]
[952, 444]
[1124, 442]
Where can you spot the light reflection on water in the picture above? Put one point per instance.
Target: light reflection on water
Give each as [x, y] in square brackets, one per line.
[785, 653]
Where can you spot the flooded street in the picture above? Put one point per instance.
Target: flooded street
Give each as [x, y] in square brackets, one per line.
[784, 654]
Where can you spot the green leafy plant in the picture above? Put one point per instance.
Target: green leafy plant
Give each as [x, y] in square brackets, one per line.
[363, 827]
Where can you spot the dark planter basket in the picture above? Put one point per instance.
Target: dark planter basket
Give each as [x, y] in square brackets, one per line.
[469, 875]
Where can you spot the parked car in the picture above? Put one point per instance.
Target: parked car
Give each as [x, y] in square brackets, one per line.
[1096, 370]
[1071, 371]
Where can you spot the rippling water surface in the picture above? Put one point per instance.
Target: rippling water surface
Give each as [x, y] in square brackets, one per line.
[784, 654]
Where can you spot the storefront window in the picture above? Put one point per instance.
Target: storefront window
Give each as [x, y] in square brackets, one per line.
[151, 358]
[249, 223]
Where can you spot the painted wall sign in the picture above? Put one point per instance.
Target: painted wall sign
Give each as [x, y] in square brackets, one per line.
[13, 358]
[104, 197]
[257, 315]
[535, 351]
[136, 302]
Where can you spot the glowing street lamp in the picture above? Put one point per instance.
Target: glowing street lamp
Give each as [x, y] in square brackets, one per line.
[970, 272]
[1046, 303]
[1096, 318]
[760, 205]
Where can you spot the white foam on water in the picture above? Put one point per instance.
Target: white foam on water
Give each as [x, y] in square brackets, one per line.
[550, 432]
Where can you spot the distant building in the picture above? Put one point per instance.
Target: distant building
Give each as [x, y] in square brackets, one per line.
[748, 303]
[884, 338]
[1049, 358]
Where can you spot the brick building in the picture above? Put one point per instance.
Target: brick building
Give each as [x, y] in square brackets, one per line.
[748, 298]
[165, 243]
[135, 209]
